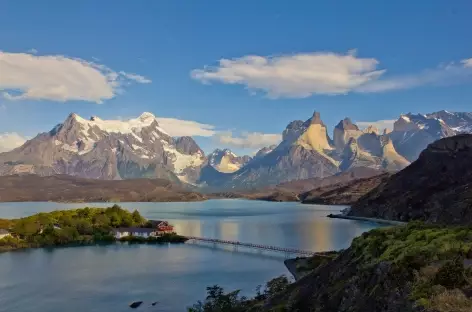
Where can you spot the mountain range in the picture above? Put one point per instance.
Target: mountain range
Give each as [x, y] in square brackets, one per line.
[140, 148]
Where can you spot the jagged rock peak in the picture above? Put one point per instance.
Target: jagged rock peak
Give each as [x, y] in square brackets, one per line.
[346, 124]
[372, 129]
[187, 145]
[316, 119]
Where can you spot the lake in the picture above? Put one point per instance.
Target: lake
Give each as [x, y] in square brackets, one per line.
[109, 278]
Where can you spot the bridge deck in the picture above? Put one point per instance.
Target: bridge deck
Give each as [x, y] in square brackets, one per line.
[257, 246]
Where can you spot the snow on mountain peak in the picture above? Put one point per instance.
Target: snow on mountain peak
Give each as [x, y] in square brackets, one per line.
[147, 116]
[130, 126]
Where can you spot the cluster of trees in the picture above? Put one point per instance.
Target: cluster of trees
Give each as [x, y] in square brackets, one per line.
[219, 301]
[79, 226]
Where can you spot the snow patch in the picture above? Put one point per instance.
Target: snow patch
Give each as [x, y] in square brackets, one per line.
[182, 161]
[405, 118]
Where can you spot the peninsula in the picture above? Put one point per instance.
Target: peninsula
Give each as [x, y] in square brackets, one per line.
[84, 226]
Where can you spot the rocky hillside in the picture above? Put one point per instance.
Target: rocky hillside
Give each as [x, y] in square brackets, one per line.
[29, 187]
[107, 149]
[343, 193]
[435, 188]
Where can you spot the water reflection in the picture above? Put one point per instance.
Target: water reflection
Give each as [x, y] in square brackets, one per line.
[107, 278]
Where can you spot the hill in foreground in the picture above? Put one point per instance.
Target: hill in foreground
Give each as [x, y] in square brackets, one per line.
[435, 188]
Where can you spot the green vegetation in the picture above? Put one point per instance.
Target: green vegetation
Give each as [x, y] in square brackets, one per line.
[219, 301]
[438, 257]
[74, 227]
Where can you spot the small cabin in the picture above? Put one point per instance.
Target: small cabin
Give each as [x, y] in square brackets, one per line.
[137, 232]
[4, 233]
[162, 227]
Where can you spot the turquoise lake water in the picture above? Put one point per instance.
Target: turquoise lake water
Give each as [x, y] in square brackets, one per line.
[109, 278]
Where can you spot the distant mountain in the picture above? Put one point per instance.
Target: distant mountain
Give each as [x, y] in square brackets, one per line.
[226, 161]
[107, 149]
[264, 151]
[140, 148]
[437, 187]
[307, 151]
[30, 187]
[412, 133]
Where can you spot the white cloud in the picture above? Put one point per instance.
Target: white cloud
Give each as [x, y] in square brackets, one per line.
[135, 77]
[379, 124]
[298, 75]
[252, 140]
[302, 75]
[467, 62]
[59, 78]
[179, 127]
[10, 140]
[32, 51]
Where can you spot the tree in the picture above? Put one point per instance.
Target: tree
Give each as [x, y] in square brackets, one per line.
[276, 285]
[218, 301]
[137, 219]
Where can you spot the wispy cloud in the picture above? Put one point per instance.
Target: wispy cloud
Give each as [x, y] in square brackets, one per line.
[449, 74]
[33, 51]
[10, 140]
[303, 75]
[135, 77]
[249, 140]
[379, 124]
[59, 78]
[179, 127]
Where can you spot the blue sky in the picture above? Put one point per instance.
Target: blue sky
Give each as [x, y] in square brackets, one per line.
[369, 60]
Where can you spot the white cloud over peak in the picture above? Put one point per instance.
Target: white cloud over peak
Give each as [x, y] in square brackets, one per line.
[59, 78]
[249, 140]
[10, 140]
[179, 127]
[379, 124]
[297, 75]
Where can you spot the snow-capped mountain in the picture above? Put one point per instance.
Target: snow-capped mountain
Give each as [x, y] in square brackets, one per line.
[107, 149]
[226, 161]
[307, 151]
[413, 132]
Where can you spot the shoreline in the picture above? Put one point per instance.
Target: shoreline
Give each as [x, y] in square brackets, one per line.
[181, 240]
[375, 220]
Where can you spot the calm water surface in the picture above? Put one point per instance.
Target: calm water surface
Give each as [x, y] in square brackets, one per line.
[108, 278]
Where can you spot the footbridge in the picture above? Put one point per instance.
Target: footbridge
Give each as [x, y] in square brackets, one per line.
[236, 244]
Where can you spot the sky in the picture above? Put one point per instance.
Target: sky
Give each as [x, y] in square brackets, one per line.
[232, 74]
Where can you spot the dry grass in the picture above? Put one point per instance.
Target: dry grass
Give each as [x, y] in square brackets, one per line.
[451, 301]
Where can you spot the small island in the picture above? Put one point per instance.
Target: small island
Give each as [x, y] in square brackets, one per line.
[84, 226]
